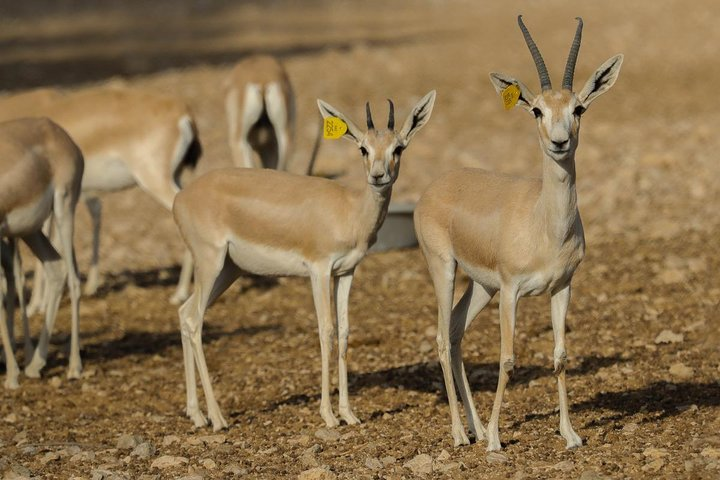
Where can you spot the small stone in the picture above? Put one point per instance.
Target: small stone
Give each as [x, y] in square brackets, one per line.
[194, 441]
[629, 429]
[327, 435]
[671, 275]
[20, 438]
[592, 475]
[144, 450]
[388, 460]
[710, 452]
[654, 466]
[55, 382]
[170, 439]
[168, 461]
[192, 476]
[209, 463]
[127, 441]
[654, 453]
[496, 457]
[420, 465]
[308, 460]
[234, 469]
[373, 463]
[447, 467]
[301, 440]
[668, 336]
[50, 457]
[682, 371]
[11, 418]
[564, 466]
[444, 456]
[425, 347]
[213, 439]
[83, 457]
[319, 473]
[100, 474]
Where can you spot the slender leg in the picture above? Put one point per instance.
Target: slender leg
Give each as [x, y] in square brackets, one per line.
[20, 282]
[12, 370]
[508, 308]
[8, 267]
[213, 276]
[38, 299]
[64, 212]
[183, 287]
[94, 207]
[278, 115]
[321, 295]
[558, 306]
[442, 273]
[473, 300]
[54, 282]
[342, 293]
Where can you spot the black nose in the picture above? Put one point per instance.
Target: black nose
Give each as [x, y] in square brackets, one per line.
[378, 176]
[559, 144]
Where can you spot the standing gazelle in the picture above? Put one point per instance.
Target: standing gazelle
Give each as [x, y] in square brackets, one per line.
[269, 222]
[40, 175]
[517, 235]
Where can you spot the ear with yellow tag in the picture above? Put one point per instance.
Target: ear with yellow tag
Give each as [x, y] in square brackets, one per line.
[510, 96]
[334, 128]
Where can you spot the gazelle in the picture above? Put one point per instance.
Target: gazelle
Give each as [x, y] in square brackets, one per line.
[269, 222]
[40, 175]
[129, 137]
[516, 235]
[260, 108]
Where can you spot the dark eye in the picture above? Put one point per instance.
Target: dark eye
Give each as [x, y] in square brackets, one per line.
[363, 151]
[398, 150]
[579, 110]
[537, 112]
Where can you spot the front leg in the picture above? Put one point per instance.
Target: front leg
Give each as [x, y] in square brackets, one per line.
[559, 305]
[342, 293]
[321, 296]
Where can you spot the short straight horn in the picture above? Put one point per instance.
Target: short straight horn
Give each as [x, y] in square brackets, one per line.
[572, 57]
[370, 125]
[537, 58]
[391, 116]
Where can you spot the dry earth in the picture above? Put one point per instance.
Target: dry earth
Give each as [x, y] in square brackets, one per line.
[643, 324]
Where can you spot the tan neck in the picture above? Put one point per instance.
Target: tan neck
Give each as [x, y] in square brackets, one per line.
[557, 205]
[373, 206]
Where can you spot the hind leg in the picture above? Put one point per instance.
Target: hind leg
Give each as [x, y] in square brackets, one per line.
[12, 370]
[278, 114]
[20, 282]
[94, 207]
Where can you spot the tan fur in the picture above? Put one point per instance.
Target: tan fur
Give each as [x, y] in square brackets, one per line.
[275, 223]
[249, 127]
[519, 236]
[41, 175]
[128, 136]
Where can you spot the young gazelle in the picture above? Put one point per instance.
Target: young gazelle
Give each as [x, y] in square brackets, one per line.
[269, 222]
[516, 235]
[260, 108]
[129, 137]
[41, 174]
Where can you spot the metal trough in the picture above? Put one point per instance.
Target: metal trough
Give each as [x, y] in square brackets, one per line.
[398, 230]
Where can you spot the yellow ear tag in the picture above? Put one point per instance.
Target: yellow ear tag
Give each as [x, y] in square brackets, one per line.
[334, 128]
[510, 96]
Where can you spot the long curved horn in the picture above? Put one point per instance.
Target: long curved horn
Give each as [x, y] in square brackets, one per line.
[572, 57]
[370, 125]
[545, 83]
[391, 116]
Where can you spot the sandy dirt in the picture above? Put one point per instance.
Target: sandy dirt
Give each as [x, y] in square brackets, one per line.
[648, 191]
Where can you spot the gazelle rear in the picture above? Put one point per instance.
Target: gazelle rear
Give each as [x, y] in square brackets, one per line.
[516, 235]
[270, 222]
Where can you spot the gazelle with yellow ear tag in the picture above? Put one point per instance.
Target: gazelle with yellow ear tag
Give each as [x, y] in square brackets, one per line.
[520, 236]
[269, 222]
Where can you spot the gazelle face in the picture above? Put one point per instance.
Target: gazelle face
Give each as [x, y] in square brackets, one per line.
[558, 121]
[381, 151]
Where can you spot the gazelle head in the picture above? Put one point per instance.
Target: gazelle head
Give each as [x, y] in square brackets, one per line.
[382, 148]
[558, 112]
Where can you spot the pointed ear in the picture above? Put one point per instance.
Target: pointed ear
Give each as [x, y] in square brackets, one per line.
[418, 117]
[353, 132]
[601, 81]
[501, 81]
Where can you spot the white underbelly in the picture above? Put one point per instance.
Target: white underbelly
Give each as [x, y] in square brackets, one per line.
[484, 276]
[106, 173]
[347, 262]
[264, 260]
[31, 217]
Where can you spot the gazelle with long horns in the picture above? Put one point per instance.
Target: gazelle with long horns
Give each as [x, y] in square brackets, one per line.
[520, 236]
[40, 175]
[269, 222]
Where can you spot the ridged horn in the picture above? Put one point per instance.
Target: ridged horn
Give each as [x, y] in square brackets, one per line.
[391, 116]
[545, 83]
[572, 57]
[370, 124]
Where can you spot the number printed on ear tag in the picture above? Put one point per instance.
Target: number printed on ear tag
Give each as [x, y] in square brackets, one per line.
[510, 96]
[334, 128]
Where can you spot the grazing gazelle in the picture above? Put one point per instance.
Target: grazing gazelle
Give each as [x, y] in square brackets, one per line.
[260, 108]
[269, 222]
[129, 137]
[520, 236]
[40, 175]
